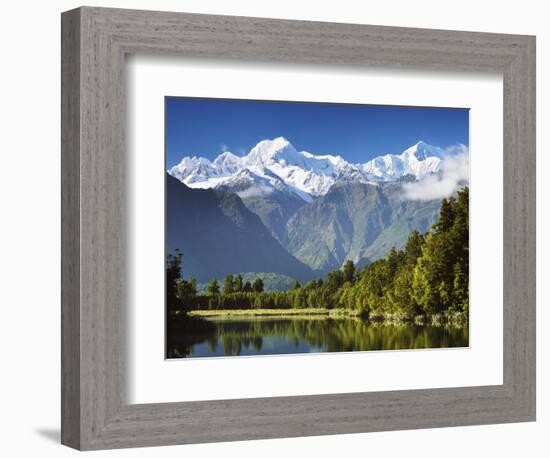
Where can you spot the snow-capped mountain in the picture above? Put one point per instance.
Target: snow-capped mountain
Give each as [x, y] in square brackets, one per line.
[247, 183]
[418, 161]
[276, 165]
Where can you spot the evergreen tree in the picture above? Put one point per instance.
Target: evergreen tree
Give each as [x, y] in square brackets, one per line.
[193, 285]
[296, 285]
[247, 288]
[238, 285]
[184, 289]
[413, 248]
[300, 298]
[432, 281]
[258, 285]
[213, 287]
[446, 215]
[460, 289]
[349, 271]
[401, 296]
[394, 260]
[173, 275]
[441, 273]
[399, 292]
[459, 232]
[335, 280]
[228, 284]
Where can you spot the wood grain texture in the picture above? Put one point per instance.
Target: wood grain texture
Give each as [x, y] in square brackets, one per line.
[70, 229]
[96, 414]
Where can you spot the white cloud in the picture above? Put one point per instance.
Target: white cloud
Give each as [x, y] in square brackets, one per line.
[454, 171]
[456, 150]
[254, 191]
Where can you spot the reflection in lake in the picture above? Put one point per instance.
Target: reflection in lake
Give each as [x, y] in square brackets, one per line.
[287, 335]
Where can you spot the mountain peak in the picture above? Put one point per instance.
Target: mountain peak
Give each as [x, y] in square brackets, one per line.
[280, 141]
[227, 158]
[271, 145]
[422, 150]
[270, 151]
[226, 155]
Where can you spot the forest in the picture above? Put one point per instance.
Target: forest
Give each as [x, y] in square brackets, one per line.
[428, 277]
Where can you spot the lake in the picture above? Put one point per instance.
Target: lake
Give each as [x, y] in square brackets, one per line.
[273, 335]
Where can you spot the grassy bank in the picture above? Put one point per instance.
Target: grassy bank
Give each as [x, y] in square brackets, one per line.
[440, 319]
[277, 312]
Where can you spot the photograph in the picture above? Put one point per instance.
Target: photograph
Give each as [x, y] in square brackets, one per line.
[306, 227]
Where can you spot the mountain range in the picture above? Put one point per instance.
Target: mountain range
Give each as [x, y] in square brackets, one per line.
[276, 165]
[295, 213]
[217, 235]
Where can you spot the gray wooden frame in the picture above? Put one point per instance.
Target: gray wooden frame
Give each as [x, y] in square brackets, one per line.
[95, 413]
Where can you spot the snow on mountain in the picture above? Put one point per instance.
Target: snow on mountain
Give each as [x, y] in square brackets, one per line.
[193, 169]
[227, 163]
[246, 183]
[418, 160]
[269, 152]
[276, 165]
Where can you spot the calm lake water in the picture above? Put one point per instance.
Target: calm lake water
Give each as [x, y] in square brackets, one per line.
[286, 335]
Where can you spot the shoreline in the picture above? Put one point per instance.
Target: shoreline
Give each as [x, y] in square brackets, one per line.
[275, 312]
[439, 319]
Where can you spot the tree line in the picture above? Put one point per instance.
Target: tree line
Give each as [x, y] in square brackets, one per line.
[429, 275]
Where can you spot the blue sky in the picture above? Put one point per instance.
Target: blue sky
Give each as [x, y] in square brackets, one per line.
[207, 127]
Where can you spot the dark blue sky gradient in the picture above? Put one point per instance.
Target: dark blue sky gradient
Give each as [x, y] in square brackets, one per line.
[207, 127]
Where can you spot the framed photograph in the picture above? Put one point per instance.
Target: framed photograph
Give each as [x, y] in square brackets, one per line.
[286, 228]
[276, 250]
